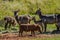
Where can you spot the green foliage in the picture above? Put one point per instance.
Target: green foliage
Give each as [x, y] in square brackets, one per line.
[28, 7]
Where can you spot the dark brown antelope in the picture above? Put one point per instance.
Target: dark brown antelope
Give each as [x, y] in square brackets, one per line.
[29, 27]
[46, 19]
[9, 21]
[23, 19]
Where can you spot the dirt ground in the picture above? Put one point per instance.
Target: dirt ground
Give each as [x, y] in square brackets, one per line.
[27, 36]
[14, 36]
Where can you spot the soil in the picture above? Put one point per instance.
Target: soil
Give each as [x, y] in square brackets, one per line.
[28, 36]
[14, 36]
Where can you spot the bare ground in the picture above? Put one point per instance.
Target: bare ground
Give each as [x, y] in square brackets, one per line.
[14, 36]
[27, 36]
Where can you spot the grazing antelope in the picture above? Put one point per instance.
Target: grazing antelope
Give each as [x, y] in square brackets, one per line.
[9, 21]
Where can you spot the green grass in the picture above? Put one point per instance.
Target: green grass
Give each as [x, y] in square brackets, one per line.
[41, 38]
[30, 7]
[46, 39]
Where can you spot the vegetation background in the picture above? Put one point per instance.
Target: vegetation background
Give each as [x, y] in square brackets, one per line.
[30, 7]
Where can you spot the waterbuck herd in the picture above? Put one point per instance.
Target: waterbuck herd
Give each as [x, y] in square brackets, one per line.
[24, 22]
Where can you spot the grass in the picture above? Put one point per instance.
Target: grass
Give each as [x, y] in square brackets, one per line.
[30, 7]
[44, 38]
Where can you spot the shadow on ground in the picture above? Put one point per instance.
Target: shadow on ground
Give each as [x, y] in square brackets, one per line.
[55, 32]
